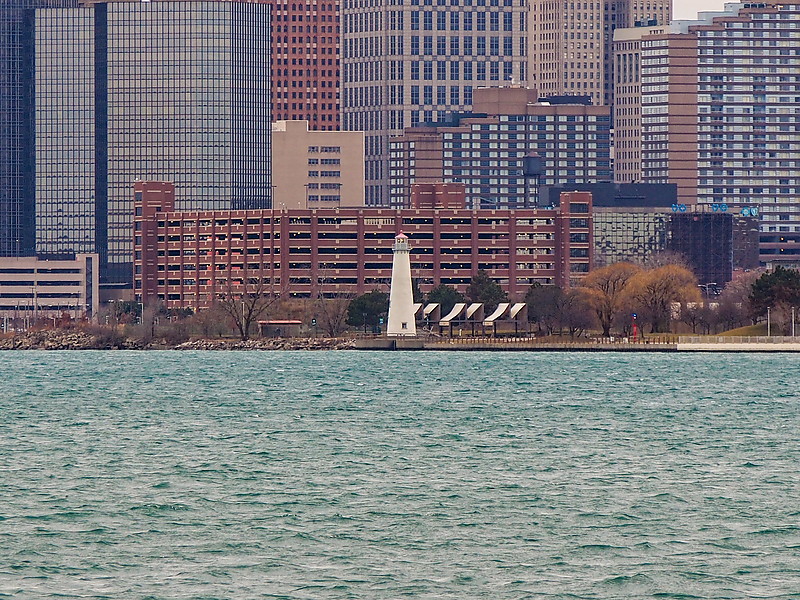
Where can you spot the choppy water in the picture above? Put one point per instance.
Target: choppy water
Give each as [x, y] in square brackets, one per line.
[397, 475]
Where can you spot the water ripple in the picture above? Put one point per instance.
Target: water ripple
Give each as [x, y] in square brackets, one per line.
[132, 475]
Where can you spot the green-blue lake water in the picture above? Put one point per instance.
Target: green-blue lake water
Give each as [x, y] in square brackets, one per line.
[132, 475]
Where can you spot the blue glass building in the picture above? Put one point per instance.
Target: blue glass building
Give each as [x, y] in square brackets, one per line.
[17, 160]
[114, 92]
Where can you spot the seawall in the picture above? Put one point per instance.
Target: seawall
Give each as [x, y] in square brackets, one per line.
[530, 345]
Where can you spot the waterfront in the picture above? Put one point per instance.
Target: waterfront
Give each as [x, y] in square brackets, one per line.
[387, 475]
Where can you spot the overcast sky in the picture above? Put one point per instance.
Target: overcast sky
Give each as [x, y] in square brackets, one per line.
[688, 9]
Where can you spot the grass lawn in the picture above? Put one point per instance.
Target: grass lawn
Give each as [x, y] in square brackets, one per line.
[750, 330]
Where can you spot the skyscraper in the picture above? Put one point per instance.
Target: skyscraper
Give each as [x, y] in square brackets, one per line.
[413, 62]
[17, 160]
[175, 90]
[628, 101]
[305, 62]
[571, 43]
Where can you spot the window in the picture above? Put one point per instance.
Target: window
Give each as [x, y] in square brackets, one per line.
[454, 21]
[455, 95]
[455, 69]
[454, 46]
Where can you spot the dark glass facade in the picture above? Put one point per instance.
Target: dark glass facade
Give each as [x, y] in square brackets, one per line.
[105, 94]
[713, 244]
[188, 102]
[65, 131]
[17, 160]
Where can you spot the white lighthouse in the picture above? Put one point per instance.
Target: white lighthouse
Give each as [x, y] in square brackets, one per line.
[401, 299]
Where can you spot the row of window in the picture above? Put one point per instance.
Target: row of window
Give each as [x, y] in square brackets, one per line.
[456, 45]
[468, 21]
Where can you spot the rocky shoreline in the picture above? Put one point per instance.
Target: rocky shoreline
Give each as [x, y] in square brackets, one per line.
[57, 339]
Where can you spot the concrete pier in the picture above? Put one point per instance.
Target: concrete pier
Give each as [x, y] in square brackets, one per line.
[532, 345]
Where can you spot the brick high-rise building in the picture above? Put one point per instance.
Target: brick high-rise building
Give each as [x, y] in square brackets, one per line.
[513, 142]
[627, 109]
[305, 62]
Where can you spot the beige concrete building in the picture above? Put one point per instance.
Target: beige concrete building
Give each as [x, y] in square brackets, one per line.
[316, 169]
[570, 48]
[627, 102]
[34, 289]
[413, 62]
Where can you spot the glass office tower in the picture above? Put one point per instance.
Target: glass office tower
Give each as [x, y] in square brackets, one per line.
[188, 102]
[17, 161]
[66, 217]
[175, 91]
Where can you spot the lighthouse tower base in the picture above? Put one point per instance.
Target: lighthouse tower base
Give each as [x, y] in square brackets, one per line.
[401, 298]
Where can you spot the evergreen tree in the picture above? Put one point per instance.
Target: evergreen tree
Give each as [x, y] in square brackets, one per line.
[780, 287]
[368, 309]
[446, 296]
[482, 288]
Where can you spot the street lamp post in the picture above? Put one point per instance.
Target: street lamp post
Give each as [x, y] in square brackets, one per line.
[707, 286]
[769, 324]
[793, 321]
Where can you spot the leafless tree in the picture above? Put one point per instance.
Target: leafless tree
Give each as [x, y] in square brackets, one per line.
[246, 299]
[692, 314]
[331, 304]
[210, 322]
[331, 313]
[574, 312]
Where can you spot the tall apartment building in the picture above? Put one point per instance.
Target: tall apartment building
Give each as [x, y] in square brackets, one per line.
[120, 90]
[628, 101]
[490, 151]
[305, 62]
[316, 169]
[719, 115]
[571, 43]
[405, 63]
